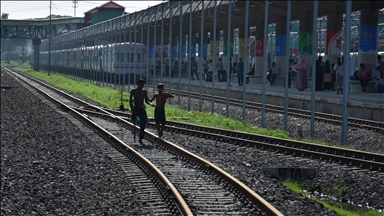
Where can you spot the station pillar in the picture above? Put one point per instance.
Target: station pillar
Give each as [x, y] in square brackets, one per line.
[228, 53]
[214, 54]
[36, 53]
[243, 47]
[305, 43]
[280, 47]
[259, 49]
[333, 37]
[368, 37]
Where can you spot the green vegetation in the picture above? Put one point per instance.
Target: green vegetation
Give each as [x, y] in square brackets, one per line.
[340, 208]
[111, 98]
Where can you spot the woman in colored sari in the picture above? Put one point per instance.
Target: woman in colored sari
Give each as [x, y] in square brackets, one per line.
[301, 70]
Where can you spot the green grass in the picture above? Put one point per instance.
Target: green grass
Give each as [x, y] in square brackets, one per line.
[340, 208]
[111, 98]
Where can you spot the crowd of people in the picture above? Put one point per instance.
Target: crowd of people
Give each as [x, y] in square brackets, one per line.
[329, 76]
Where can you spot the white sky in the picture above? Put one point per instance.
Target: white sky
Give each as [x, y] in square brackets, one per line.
[40, 9]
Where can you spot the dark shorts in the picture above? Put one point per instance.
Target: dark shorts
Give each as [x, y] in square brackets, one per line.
[159, 115]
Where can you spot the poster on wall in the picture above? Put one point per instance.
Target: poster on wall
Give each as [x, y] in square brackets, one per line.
[333, 42]
[368, 39]
[158, 51]
[192, 50]
[205, 50]
[166, 51]
[217, 52]
[184, 50]
[305, 43]
[243, 47]
[225, 48]
[281, 41]
[259, 46]
[175, 51]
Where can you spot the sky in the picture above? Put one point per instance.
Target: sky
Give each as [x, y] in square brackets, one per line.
[40, 9]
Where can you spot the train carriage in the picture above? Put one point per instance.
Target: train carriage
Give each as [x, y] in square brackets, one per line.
[118, 59]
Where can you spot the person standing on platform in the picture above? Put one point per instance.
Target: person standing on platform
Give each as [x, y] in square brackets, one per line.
[352, 69]
[167, 68]
[136, 102]
[194, 69]
[364, 78]
[301, 70]
[210, 72]
[319, 74]
[161, 99]
[333, 75]
[327, 76]
[220, 69]
[339, 68]
[240, 71]
[205, 66]
[378, 74]
[230, 70]
[272, 73]
[173, 64]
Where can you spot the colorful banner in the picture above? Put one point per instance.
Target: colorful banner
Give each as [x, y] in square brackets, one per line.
[305, 43]
[217, 52]
[192, 51]
[184, 50]
[242, 47]
[368, 39]
[333, 42]
[175, 51]
[205, 50]
[259, 46]
[225, 48]
[281, 42]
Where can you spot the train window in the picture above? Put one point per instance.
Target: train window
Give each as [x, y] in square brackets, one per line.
[132, 59]
[127, 54]
[139, 57]
[120, 57]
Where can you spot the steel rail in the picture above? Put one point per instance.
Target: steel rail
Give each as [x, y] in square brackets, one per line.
[166, 183]
[251, 195]
[362, 159]
[331, 118]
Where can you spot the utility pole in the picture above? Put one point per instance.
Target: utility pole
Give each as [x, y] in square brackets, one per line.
[49, 40]
[75, 2]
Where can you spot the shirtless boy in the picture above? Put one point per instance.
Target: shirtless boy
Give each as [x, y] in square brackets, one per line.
[161, 99]
[137, 106]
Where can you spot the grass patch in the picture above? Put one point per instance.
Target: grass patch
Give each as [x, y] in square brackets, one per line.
[340, 208]
[111, 98]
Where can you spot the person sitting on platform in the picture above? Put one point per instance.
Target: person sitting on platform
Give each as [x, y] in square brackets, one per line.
[363, 76]
[252, 72]
[272, 73]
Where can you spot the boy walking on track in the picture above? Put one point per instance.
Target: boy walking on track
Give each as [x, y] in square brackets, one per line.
[161, 99]
[137, 106]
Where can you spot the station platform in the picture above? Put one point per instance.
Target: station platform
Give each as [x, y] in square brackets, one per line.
[364, 105]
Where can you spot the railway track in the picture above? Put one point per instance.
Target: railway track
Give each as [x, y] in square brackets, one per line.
[206, 188]
[350, 157]
[324, 117]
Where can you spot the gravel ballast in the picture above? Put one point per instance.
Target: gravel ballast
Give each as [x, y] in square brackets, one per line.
[48, 166]
[42, 171]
